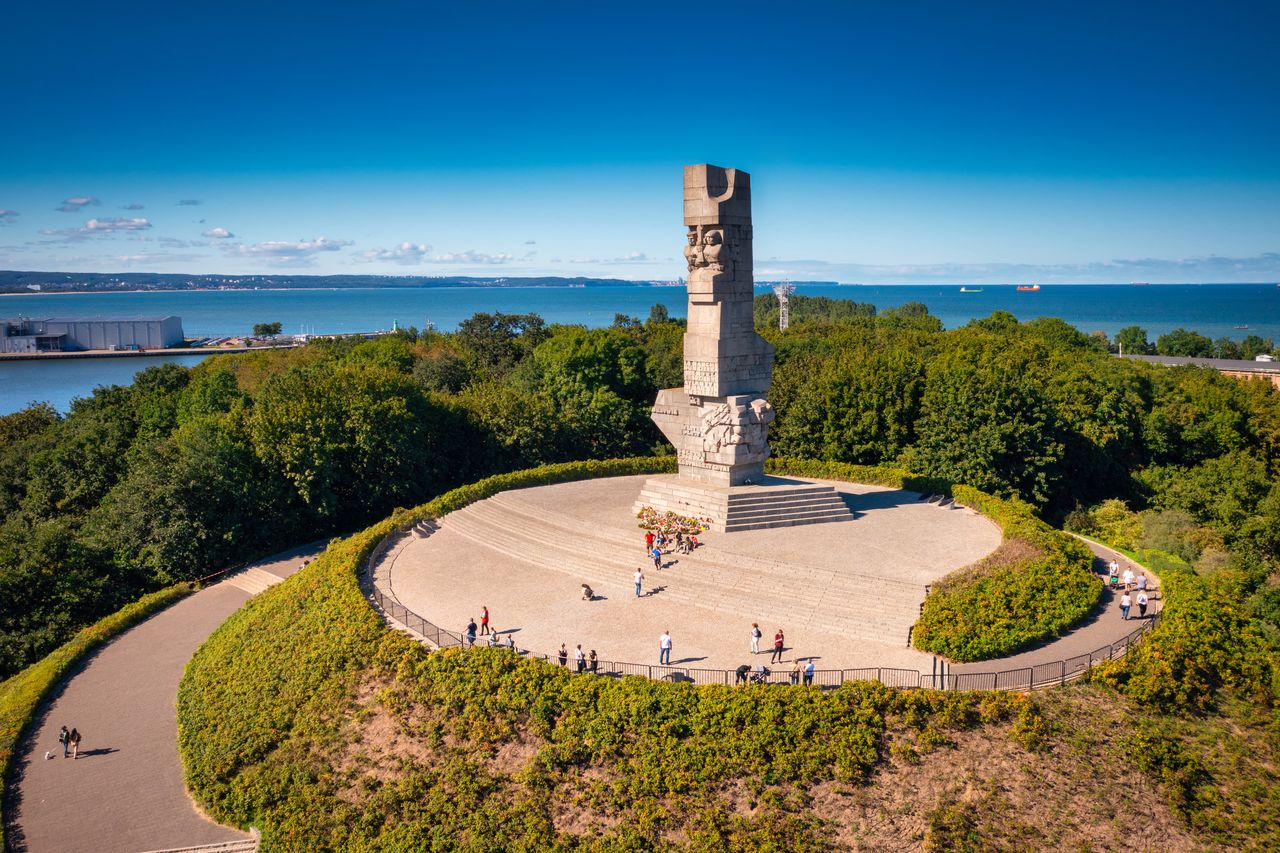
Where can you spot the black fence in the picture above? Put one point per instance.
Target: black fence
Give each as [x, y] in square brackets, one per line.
[1026, 678]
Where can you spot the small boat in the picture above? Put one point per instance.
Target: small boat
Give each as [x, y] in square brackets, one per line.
[1027, 287]
[971, 290]
[1145, 283]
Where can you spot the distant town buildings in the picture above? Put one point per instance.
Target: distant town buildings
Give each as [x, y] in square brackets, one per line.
[70, 334]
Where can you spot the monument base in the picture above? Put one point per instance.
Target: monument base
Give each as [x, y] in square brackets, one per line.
[770, 502]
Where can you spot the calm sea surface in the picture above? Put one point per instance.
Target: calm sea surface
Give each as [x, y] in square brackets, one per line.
[1211, 309]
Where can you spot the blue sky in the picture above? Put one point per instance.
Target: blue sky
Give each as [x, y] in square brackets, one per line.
[888, 142]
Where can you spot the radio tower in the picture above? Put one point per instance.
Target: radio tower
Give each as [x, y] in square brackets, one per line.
[783, 291]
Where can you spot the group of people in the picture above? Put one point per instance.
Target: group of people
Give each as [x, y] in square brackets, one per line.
[70, 741]
[655, 545]
[494, 641]
[582, 661]
[1129, 582]
[779, 642]
[761, 674]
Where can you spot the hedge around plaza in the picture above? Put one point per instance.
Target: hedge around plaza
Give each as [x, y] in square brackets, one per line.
[271, 711]
[22, 694]
[1003, 603]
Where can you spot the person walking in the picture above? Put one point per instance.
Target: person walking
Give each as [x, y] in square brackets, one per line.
[563, 654]
[808, 673]
[74, 737]
[778, 645]
[639, 579]
[657, 559]
[755, 638]
[664, 648]
[471, 632]
[1128, 578]
[648, 541]
[580, 658]
[1142, 604]
[1125, 604]
[64, 738]
[1142, 582]
[484, 620]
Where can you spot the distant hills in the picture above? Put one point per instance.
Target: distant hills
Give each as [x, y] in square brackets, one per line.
[18, 281]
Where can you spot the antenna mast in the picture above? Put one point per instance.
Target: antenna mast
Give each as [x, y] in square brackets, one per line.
[783, 291]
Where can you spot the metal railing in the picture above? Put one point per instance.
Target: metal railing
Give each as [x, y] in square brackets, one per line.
[1039, 676]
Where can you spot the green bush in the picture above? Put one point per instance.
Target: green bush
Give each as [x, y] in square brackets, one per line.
[22, 694]
[999, 605]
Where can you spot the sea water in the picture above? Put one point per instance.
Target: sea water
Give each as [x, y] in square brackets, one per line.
[1215, 310]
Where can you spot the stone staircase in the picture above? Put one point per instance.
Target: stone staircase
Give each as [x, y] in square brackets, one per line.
[777, 504]
[252, 581]
[243, 845]
[756, 588]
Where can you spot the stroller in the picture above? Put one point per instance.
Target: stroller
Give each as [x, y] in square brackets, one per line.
[761, 675]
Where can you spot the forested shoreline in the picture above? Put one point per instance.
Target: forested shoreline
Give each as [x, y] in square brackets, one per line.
[187, 471]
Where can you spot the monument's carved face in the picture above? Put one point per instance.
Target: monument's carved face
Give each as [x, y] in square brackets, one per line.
[706, 249]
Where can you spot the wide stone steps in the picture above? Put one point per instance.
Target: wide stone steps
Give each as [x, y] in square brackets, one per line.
[523, 516]
[860, 606]
[748, 507]
[252, 580]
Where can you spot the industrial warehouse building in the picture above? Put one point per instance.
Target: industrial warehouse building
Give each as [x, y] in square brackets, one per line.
[69, 334]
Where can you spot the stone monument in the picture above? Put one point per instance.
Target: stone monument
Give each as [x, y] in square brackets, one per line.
[719, 421]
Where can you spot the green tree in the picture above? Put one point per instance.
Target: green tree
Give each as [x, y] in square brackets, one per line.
[658, 314]
[441, 369]
[499, 341]
[266, 330]
[1181, 342]
[1132, 340]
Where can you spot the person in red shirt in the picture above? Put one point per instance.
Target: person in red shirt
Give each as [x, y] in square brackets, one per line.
[778, 641]
[484, 620]
[648, 541]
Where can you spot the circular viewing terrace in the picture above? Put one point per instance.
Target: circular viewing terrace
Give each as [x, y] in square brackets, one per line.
[846, 594]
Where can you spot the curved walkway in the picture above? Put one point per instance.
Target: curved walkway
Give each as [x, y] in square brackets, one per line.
[125, 792]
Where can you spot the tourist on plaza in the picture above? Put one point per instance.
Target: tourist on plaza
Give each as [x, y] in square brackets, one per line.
[741, 677]
[588, 594]
[808, 673]
[664, 648]
[1128, 578]
[778, 641]
[580, 658]
[493, 639]
[64, 738]
[657, 559]
[679, 542]
[648, 541]
[755, 638]
[1142, 604]
[484, 620]
[1142, 581]
[795, 672]
[74, 737]
[471, 632]
[511, 642]
[563, 654]
[1125, 604]
[639, 579]
[593, 662]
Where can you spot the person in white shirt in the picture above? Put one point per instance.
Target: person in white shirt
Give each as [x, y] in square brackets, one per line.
[580, 658]
[1128, 578]
[1142, 581]
[1142, 605]
[664, 648]
[755, 638]
[1125, 603]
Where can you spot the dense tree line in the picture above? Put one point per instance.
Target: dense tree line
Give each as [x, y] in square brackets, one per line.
[187, 471]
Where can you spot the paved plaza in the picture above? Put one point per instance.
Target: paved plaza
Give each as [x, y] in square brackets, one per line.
[844, 593]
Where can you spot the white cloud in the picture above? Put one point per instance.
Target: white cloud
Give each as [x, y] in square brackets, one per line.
[117, 223]
[8, 216]
[282, 253]
[77, 203]
[219, 233]
[632, 258]
[405, 253]
[471, 257]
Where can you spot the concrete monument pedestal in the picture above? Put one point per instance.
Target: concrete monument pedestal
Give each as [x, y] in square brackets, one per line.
[719, 421]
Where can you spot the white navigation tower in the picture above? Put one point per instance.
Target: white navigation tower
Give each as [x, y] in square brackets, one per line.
[783, 291]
